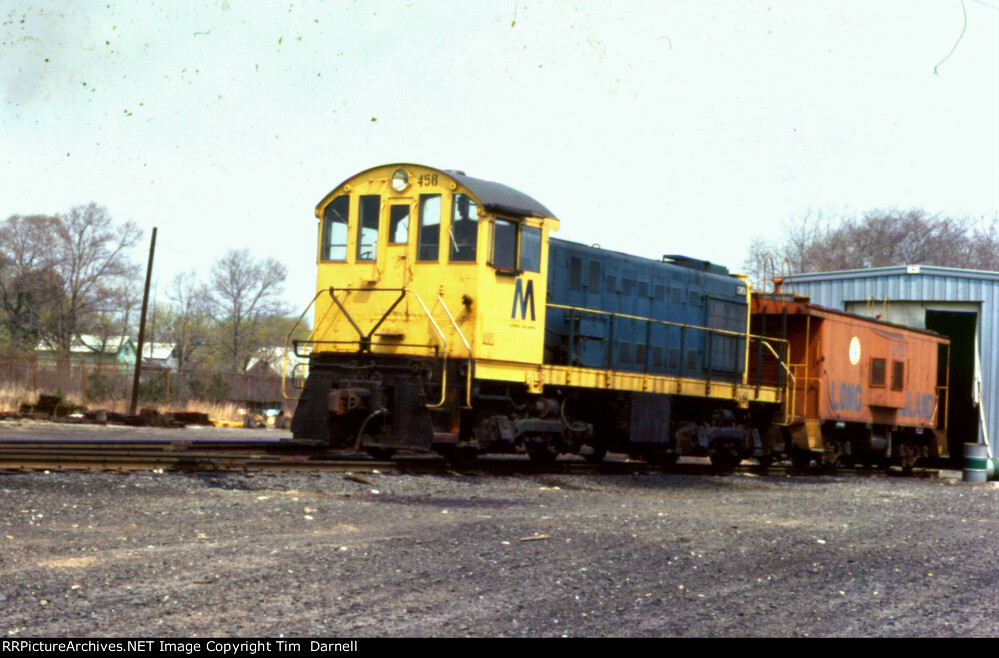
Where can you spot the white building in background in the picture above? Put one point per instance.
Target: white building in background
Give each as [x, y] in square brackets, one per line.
[162, 356]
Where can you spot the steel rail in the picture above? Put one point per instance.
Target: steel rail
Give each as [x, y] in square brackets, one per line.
[62, 457]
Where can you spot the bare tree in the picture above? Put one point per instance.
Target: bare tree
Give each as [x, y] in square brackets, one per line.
[985, 246]
[112, 325]
[30, 288]
[187, 321]
[244, 294]
[879, 238]
[58, 275]
[92, 257]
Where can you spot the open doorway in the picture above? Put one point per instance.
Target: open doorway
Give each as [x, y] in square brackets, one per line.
[962, 414]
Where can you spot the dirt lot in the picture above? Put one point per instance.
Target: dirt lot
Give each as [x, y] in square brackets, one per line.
[89, 555]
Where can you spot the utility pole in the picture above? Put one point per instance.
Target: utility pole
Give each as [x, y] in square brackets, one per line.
[142, 330]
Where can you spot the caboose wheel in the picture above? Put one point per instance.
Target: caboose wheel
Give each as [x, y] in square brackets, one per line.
[800, 458]
[846, 461]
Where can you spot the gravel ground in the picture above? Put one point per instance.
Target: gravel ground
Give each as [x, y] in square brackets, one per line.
[375, 555]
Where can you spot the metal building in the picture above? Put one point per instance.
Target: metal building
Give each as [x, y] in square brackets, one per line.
[960, 304]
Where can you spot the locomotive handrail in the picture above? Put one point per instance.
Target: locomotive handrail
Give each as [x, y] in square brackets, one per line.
[471, 363]
[764, 340]
[364, 342]
[403, 292]
[310, 343]
[284, 365]
[723, 332]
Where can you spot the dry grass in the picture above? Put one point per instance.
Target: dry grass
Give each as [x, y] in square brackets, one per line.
[11, 399]
[226, 411]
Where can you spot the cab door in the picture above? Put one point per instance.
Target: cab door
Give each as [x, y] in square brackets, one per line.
[400, 218]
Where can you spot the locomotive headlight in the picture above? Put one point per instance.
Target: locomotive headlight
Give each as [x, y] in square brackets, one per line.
[400, 180]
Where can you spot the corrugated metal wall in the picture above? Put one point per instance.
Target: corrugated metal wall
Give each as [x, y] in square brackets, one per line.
[921, 284]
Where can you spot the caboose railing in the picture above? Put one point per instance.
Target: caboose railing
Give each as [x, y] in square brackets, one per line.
[790, 386]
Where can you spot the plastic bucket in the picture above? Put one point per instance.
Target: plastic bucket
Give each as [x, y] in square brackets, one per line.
[976, 463]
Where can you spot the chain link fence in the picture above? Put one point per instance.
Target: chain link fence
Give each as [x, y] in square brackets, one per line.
[91, 384]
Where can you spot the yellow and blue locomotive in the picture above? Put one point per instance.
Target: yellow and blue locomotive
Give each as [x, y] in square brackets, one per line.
[448, 319]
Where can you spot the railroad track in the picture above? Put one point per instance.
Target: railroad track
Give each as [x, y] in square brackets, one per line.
[164, 455]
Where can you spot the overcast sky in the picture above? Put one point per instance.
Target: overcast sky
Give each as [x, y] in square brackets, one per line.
[675, 126]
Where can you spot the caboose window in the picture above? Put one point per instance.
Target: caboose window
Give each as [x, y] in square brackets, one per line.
[505, 244]
[530, 250]
[897, 375]
[335, 229]
[367, 229]
[878, 367]
[464, 228]
[429, 238]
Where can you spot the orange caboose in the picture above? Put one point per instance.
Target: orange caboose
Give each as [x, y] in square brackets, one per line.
[857, 389]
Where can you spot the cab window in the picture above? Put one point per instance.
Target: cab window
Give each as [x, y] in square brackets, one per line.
[464, 228]
[335, 229]
[367, 227]
[399, 224]
[515, 246]
[505, 244]
[530, 249]
[429, 236]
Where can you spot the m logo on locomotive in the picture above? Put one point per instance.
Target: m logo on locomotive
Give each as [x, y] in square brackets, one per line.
[525, 298]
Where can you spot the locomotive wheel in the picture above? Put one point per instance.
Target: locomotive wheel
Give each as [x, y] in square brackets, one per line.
[595, 455]
[725, 461]
[667, 459]
[541, 452]
[456, 454]
[765, 460]
[660, 457]
[380, 454]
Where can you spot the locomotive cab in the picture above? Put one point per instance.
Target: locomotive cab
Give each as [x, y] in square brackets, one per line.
[416, 271]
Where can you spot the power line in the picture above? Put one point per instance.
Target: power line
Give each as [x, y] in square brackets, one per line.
[961, 36]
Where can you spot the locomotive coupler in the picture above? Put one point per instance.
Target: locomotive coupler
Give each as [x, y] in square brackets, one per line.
[344, 400]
